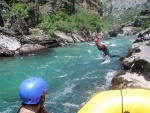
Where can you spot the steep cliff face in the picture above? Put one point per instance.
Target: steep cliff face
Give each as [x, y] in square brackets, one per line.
[115, 10]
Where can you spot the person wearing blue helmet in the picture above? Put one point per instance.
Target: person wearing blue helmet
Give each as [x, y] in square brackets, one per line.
[32, 92]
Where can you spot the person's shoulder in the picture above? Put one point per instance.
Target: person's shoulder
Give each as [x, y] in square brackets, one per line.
[24, 110]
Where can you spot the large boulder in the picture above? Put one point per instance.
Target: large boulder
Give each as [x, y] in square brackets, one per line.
[8, 45]
[30, 48]
[5, 52]
[136, 65]
[36, 41]
[129, 80]
[11, 43]
[63, 38]
[37, 36]
[137, 60]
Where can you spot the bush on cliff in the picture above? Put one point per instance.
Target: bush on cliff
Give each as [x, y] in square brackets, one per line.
[146, 25]
[81, 20]
[18, 8]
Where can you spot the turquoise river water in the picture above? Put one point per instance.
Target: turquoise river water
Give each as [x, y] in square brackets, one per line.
[73, 74]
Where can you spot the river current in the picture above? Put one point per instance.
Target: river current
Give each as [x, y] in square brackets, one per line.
[73, 74]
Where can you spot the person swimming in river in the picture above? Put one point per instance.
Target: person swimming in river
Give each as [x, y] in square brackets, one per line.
[102, 47]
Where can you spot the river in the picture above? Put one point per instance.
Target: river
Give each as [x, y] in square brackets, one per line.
[73, 74]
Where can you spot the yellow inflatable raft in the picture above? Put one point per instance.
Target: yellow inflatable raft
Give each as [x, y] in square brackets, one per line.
[119, 101]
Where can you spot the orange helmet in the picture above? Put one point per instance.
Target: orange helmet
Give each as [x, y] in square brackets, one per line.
[96, 40]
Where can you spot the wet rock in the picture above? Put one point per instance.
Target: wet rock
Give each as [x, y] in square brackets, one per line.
[136, 65]
[63, 39]
[129, 80]
[4, 52]
[30, 48]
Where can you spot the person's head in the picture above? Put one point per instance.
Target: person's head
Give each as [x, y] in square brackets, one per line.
[96, 40]
[32, 90]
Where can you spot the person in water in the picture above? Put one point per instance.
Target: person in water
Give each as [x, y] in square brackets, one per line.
[102, 47]
[33, 92]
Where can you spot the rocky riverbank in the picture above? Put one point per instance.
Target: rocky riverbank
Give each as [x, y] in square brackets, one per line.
[19, 35]
[17, 38]
[22, 35]
[135, 65]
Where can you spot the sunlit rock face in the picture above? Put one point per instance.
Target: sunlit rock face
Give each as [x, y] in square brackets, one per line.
[119, 9]
[135, 65]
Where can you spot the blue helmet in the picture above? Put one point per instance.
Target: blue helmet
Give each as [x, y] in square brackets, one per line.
[31, 89]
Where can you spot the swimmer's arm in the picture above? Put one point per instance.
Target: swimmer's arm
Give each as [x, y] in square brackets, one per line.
[90, 44]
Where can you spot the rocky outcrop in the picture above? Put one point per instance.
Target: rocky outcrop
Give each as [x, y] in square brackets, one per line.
[136, 65]
[17, 25]
[15, 37]
[128, 30]
[8, 42]
[141, 20]
[3, 9]
[67, 38]
[1, 21]
[11, 43]
[132, 28]
[30, 48]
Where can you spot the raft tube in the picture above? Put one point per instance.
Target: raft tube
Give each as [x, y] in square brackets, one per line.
[118, 101]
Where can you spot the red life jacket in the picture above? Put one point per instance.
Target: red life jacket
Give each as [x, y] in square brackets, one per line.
[101, 47]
